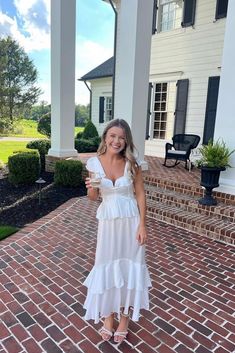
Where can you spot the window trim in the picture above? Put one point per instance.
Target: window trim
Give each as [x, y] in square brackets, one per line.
[153, 111]
[106, 117]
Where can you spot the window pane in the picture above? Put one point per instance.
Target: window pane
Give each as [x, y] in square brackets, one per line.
[163, 106]
[163, 97]
[158, 88]
[164, 87]
[160, 106]
[157, 106]
[108, 108]
[158, 97]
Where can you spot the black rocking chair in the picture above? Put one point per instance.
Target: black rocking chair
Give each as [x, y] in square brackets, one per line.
[180, 149]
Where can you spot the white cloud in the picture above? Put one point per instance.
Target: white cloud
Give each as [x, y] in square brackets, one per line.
[7, 24]
[88, 55]
[30, 27]
[46, 89]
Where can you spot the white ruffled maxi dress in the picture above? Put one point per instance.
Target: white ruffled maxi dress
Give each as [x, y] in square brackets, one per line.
[119, 278]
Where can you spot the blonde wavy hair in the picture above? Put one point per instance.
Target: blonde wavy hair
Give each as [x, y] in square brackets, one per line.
[129, 149]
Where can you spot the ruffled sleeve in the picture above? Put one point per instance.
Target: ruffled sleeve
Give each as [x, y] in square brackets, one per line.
[91, 165]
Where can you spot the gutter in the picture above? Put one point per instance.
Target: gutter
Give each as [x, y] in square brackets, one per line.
[114, 55]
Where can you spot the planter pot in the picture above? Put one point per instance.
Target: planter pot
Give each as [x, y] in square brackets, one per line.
[210, 180]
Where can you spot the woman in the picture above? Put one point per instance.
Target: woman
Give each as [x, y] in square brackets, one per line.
[119, 279]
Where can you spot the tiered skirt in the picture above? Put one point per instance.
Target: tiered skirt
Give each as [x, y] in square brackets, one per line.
[119, 278]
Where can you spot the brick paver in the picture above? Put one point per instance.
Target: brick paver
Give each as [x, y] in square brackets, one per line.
[42, 269]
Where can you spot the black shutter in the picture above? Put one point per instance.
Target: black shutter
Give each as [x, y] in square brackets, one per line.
[211, 106]
[189, 13]
[181, 106]
[221, 9]
[101, 110]
[148, 111]
[154, 25]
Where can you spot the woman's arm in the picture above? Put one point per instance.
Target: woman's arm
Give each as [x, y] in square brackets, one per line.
[141, 201]
[92, 193]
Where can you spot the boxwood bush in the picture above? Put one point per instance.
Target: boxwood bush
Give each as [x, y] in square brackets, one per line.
[24, 168]
[79, 135]
[43, 147]
[26, 150]
[89, 131]
[68, 173]
[83, 145]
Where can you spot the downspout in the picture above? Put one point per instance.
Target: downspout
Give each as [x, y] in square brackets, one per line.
[90, 96]
[114, 54]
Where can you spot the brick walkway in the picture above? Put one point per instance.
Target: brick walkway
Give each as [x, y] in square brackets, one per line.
[42, 269]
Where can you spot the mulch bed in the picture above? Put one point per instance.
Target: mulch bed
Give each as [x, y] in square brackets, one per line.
[20, 205]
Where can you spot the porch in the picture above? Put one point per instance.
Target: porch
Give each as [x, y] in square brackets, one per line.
[172, 197]
[43, 266]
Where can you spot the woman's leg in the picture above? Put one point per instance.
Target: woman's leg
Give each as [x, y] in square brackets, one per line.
[106, 330]
[122, 329]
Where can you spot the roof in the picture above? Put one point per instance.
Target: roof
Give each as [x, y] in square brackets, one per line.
[103, 70]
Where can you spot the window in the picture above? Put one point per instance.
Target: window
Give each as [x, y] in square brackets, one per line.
[160, 110]
[170, 14]
[105, 109]
[108, 108]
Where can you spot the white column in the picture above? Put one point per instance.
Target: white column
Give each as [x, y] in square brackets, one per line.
[225, 117]
[134, 35]
[63, 30]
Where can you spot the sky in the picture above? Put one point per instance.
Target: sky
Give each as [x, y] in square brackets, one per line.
[28, 22]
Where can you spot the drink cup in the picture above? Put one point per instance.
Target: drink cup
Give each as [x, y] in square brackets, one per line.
[95, 180]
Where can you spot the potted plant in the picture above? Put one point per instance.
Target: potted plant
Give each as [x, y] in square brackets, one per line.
[214, 159]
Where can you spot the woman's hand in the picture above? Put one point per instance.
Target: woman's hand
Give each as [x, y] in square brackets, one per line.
[88, 183]
[92, 193]
[141, 235]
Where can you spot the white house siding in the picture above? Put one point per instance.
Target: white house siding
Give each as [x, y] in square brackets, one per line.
[192, 53]
[100, 88]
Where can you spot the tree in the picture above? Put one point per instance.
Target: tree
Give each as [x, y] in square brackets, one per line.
[81, 114]
[38, 111]
[18, 91]
[44, 125]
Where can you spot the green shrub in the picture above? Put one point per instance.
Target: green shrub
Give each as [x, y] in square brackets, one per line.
[43, 147]
[89, 131]
[68, 173]
[24, 168]
[79, 135]
[96, 141]
[25, 150]
[83, 146]
[44, 125]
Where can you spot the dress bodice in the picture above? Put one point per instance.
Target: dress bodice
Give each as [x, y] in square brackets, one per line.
[118, 199]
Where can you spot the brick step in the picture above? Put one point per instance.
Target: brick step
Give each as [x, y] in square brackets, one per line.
[193, 189]
[189, 203]
[209, 226]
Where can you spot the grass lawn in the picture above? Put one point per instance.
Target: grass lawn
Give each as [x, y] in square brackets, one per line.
[28, 128]
[7, 230]
[8, 147]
